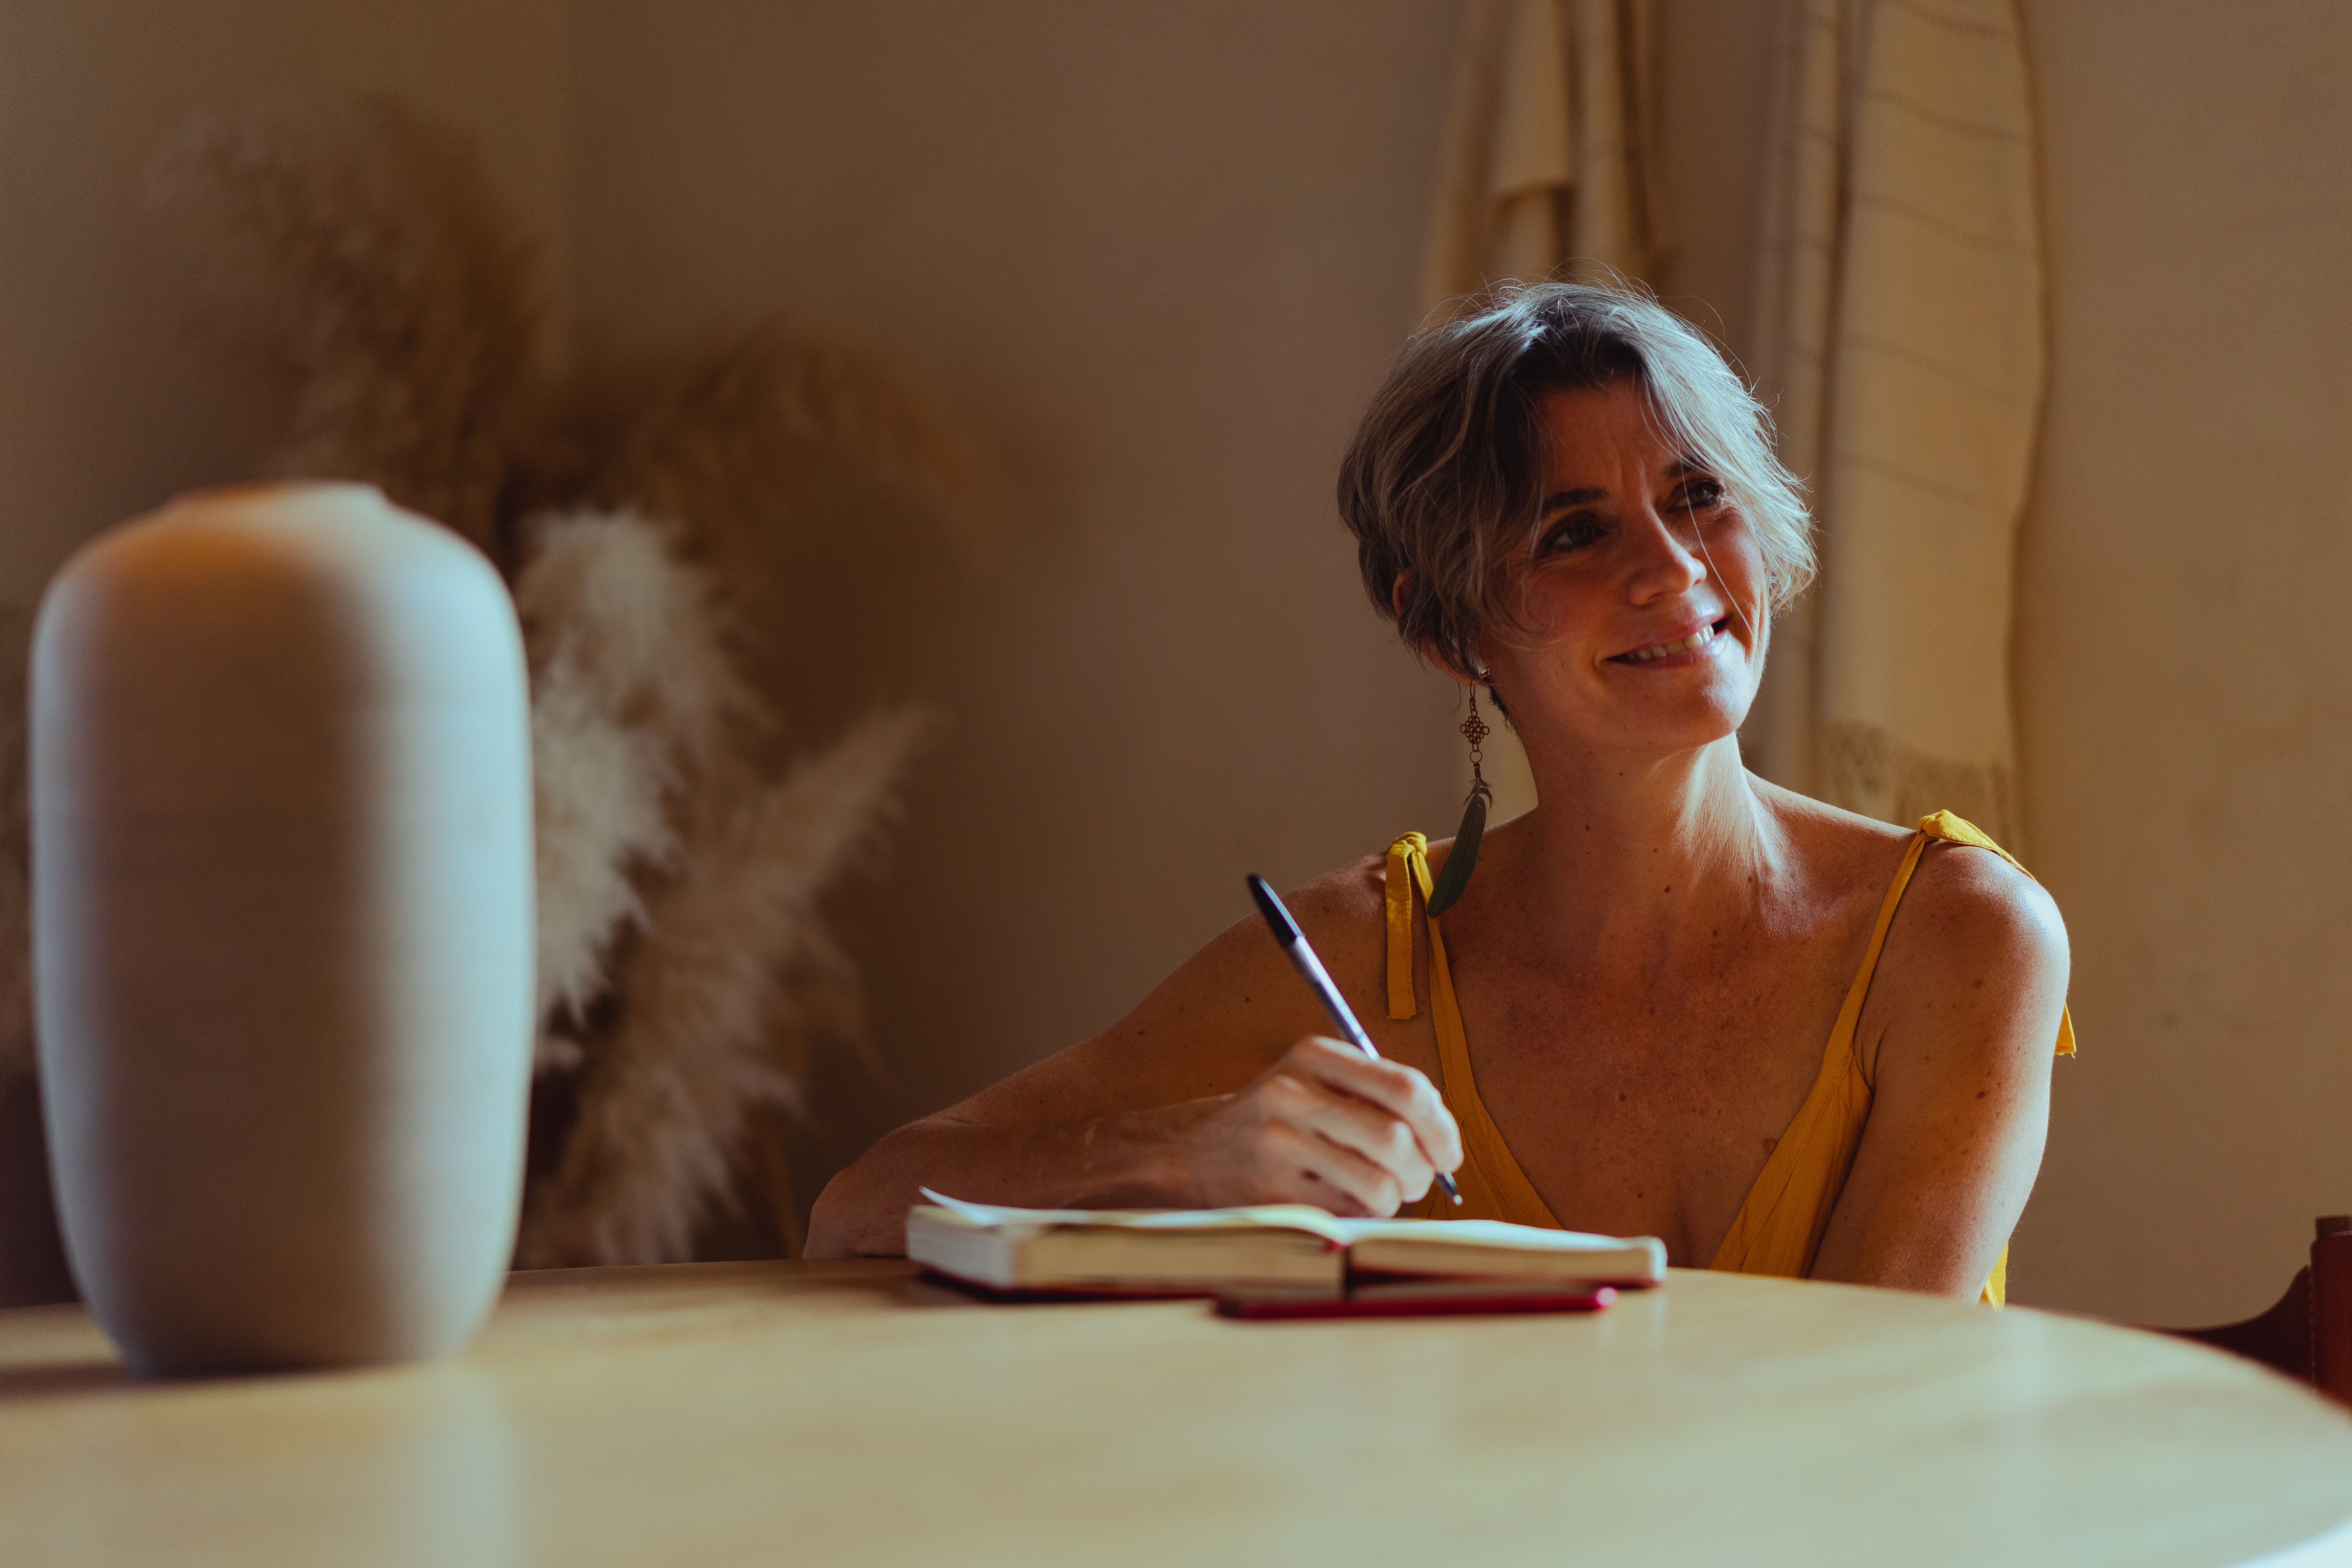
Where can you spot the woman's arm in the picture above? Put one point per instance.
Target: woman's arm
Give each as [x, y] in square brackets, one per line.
[1965, 1010]
[1218, 1089]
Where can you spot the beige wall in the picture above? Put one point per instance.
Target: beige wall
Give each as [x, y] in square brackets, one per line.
[1157, 256]
[2186, 697]
[105, 409]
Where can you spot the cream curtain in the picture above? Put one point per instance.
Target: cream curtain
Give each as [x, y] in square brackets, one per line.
[1899, 317]
[1547, 151]
[1546, 172]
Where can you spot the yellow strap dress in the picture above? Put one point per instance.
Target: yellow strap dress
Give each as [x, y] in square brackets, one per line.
[1779, 1228]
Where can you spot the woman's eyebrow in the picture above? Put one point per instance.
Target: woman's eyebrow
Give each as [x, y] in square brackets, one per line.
[1559, 498]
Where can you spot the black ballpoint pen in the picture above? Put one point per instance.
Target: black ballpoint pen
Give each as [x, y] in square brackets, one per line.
[1311, 968]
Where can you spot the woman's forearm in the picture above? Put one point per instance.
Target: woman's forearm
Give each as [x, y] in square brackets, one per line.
[1127, 1161]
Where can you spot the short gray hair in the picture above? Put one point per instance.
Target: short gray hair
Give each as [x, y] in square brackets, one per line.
[1445, 472]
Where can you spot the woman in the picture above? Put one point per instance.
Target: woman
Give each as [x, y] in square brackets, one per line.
[1569, 501]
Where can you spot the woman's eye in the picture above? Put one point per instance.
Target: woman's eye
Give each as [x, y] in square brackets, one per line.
[1703, 495]
[1568, 533]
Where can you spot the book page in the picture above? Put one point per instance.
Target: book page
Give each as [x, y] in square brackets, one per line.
[1261, 1216]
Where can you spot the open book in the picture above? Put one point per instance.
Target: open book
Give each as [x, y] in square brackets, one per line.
[1175, 1252]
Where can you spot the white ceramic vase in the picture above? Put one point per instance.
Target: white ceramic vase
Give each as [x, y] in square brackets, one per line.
[282, 930]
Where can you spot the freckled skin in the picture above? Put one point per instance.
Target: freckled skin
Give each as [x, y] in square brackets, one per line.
[1641, 1040]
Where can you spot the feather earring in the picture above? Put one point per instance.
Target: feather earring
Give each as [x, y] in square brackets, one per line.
[1463, 859]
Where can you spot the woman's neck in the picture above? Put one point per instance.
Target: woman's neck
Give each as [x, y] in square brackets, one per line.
[1633, 847]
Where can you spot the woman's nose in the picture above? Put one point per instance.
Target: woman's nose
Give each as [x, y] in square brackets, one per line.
[1665, 562]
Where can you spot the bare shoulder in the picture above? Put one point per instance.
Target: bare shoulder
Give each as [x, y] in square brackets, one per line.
[1980, 909]
[1977, 958]
[1354, 896]
[1336, 911]
[1345, 915]
[1969, 922]
[1964, 874]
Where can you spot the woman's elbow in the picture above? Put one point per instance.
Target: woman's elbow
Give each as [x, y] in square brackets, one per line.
[847, 1222]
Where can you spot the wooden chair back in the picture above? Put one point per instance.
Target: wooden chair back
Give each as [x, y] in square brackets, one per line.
[2308, 1334]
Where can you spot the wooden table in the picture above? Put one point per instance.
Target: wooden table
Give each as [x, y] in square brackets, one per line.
[849, 1414]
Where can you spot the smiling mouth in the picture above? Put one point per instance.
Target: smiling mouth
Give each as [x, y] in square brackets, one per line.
[1698, 639]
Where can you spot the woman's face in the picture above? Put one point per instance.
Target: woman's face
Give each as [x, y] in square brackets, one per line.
[1642, 593]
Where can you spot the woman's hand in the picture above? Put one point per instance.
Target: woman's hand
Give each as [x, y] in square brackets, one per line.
[1325, 1125]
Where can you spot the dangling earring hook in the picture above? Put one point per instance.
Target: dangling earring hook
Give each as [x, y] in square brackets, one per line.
[1475, 730]
[1463, 857]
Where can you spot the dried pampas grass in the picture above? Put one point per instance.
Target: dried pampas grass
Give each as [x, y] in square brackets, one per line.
[358, 267]
[687, 975]
[725, 428]
[364, 272]
[731, 983]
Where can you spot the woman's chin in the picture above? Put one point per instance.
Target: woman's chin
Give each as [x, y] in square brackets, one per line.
[1659, 712]
[1694, 720]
